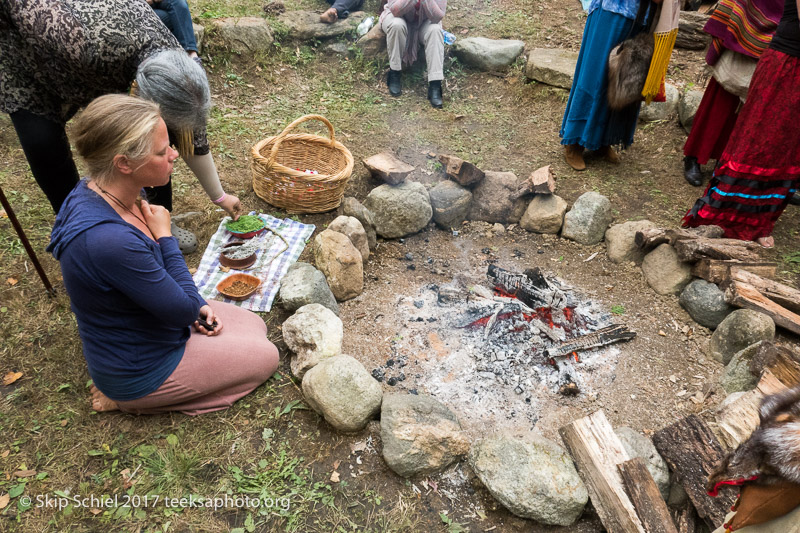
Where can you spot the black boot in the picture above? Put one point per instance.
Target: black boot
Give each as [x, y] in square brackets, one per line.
[395, 82]
[692, 171]
[435, 93]
[795, 200]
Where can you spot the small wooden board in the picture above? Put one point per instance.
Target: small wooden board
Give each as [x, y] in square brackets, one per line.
[646, 498]
[748, 297]
[718, 270]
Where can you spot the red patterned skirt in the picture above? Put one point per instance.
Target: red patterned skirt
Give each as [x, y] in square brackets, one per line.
[759, 170]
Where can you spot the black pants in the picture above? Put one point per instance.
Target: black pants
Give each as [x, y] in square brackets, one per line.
[46, 148]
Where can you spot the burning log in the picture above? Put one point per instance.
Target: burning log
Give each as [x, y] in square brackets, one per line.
[601, 337]
[533, 291]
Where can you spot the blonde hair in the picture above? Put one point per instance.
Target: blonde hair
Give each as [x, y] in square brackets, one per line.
[114, 124]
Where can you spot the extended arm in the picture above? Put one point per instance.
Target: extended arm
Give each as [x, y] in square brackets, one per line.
[206, 171]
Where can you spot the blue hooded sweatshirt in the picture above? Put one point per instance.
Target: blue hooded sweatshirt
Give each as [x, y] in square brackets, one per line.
[133, 297]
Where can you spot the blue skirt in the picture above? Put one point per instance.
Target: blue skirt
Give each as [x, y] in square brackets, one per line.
[588, 121]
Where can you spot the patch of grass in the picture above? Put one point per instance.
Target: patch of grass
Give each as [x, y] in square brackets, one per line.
[617, 309]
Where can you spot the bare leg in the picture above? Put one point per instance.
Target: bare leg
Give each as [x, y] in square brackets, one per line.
[101, 402]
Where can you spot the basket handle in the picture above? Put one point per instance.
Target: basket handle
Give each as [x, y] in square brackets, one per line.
[282, 135]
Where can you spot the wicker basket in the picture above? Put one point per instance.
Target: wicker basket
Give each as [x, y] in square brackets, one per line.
[277, 180]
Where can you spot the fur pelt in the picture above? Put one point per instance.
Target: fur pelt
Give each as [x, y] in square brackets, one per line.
[628, 64]
[772, 453]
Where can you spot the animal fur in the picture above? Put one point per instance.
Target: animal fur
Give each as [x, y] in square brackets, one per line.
[628, 64]
[773, 450]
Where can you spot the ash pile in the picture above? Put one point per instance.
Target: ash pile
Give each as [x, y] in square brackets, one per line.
[529, 330]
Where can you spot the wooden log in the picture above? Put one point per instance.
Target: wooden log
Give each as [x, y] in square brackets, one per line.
[692, 452]
[780, 362]
[645, 496]
[463, 172]
[690, 31]
[687, 522]
[650, 238]
[696, 249]
[746, 296]
[718, 270]
[782, 294]
[737, 420]
[597, 451]
[388, 167]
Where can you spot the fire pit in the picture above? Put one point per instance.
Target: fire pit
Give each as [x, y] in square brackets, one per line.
[505, 348]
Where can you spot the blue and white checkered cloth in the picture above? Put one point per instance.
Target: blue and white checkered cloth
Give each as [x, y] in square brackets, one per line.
[209, 274]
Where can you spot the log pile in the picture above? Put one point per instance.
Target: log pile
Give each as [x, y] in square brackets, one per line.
[735, 266]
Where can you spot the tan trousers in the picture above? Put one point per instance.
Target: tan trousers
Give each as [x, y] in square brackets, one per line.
[430, 37]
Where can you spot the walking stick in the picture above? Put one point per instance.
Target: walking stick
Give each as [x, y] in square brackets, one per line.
[28, 248]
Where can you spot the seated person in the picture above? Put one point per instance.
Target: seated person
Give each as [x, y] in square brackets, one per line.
[177, 18]
[130, 290]
[407, 24]
[340, 9]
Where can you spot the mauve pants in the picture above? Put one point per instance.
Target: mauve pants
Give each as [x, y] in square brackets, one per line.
[215, 371]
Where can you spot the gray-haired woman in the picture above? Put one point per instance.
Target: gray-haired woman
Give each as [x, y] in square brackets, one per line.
[56, 56]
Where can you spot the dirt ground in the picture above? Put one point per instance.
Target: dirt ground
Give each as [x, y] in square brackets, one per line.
[500, 122]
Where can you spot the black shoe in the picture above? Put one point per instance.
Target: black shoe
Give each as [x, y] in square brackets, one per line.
[795, 200]
[692, 171]
[435, 93]
[394, 81]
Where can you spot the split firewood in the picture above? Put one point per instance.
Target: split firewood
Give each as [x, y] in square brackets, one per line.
[463, 172]
[541, 181]
[718, 270]
[688, 519]
[696, 249]
[737, 420]
[746, 296]
[779, 293]
[596, 451]
[782, 362]
[692, 452]
[650, 238]
[645, 496]
[388, 167]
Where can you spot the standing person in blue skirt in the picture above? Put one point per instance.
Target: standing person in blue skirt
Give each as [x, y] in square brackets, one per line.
[589, 124]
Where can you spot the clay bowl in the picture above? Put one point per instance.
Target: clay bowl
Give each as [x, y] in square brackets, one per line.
[238, 264]
[249, 234]
[224, 286]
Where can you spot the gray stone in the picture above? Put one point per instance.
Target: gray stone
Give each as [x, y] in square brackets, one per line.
[661, 110]
[739, 330]
[533, 478]
[305, 25]
[313, 333]
[737, 376]
[353, 208]
[705, 303]
[341, 262]
[450, 202]
[419, 435]
[664, 272]
[677, 496]
[621, 241]
[687, 108]
[302, 285]
[637, 445]
[588, 219]
[545, 214]
[343, 392]
[552, 66]
[399, 210]
[352, 228]
[338, 48]
[244, 35]
[518, 208]
[199, 35]
[493, 198]
[487, 54]
[373, 44]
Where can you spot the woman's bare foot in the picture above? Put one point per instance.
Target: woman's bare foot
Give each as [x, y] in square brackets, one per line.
[766, 242]
[101, 402]
[330, 16]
